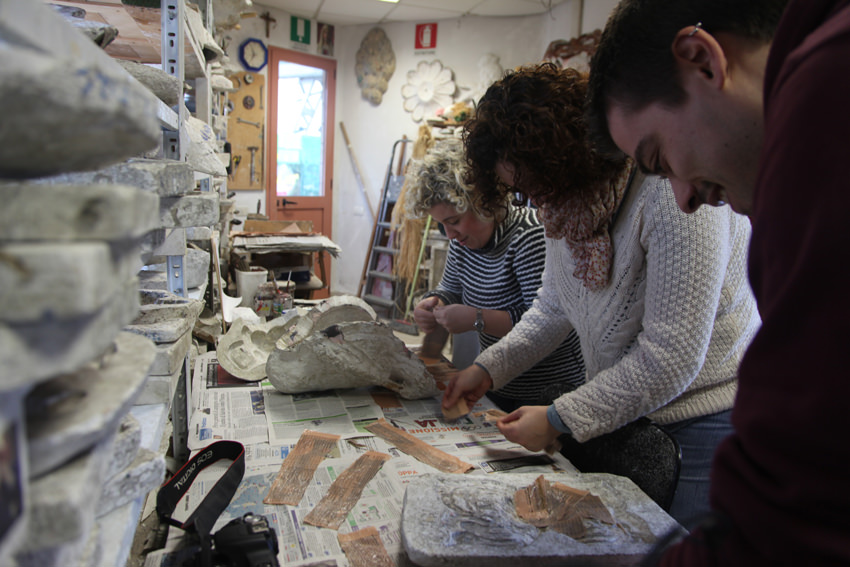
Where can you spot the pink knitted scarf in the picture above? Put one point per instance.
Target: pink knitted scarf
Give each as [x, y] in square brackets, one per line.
[583, 221]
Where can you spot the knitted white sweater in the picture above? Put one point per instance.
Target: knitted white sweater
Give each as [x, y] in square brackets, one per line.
[664, 337]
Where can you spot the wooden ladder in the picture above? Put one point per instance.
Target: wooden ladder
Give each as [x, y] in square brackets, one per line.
[379, 287]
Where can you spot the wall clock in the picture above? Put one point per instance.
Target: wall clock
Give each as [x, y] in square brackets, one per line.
[253, 54]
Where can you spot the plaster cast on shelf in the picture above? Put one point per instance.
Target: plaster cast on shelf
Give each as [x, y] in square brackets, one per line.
[202, 150]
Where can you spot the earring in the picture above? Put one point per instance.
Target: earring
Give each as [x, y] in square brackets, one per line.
[696, 29]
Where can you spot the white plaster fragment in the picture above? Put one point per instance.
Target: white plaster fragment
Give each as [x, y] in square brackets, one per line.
[244, 350]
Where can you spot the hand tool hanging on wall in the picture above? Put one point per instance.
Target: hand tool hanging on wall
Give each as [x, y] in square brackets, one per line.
[236, 161]
[253, 150]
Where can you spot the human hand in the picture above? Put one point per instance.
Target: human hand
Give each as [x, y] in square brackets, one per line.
[470, 383]
[529, 427]
[423, 313]
[456, 318]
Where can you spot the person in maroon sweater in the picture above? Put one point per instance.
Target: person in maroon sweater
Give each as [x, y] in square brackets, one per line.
[746, 102]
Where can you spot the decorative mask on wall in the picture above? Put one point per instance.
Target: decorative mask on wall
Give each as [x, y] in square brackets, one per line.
[375, 65]
[429, 88]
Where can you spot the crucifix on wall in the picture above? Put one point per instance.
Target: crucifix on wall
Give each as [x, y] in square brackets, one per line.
[269, 20]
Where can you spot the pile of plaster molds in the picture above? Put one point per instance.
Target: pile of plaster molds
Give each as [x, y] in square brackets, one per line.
[167, 320]
[471, 521]
[71, 249]
[340, 344]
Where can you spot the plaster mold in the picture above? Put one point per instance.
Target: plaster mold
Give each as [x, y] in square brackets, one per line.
[471, 520]
[339, 344]
[429, 88]
[165, 317]
[70, 113]
[73, 412]
[350, 355]
[332, 311]
[167, 88]
[244, 350]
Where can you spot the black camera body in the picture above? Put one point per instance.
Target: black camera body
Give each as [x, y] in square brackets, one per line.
[248, 541]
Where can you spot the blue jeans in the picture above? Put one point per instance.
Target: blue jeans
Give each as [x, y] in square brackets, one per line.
[698, 438]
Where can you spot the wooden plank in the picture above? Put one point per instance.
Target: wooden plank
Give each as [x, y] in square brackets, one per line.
[139, 32]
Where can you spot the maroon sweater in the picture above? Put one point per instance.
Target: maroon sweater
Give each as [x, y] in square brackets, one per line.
[783, 478]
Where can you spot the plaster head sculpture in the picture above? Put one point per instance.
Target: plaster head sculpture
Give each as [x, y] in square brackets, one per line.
[339, 344]
[350, 355]
[374, 66]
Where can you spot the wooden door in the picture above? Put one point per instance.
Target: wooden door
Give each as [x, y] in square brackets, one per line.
[299, 179]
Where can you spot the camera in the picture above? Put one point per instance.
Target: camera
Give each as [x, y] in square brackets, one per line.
[248, 541]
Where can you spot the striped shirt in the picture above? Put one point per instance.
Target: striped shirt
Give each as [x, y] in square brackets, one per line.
[505, 275]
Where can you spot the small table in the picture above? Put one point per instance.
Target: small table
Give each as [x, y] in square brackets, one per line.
[292, 253]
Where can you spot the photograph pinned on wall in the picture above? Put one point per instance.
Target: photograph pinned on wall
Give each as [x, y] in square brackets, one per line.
[325, 46]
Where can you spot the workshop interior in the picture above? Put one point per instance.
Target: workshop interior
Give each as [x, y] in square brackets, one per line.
[208, 282]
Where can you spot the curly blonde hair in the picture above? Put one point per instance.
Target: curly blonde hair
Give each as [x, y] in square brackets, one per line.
[437, 178]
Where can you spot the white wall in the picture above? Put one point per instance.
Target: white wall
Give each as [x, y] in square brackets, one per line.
[372, 130]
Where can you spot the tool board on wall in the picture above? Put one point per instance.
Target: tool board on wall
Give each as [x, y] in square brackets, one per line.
[246, 131]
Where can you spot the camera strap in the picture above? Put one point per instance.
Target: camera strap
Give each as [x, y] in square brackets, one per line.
[203, 518]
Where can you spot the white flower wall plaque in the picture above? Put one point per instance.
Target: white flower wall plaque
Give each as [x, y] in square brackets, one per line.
[429, 88]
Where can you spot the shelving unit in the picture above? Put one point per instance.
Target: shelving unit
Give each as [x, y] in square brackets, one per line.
[32, 25]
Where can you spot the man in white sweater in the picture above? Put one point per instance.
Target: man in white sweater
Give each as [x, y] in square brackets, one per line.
[659, 299]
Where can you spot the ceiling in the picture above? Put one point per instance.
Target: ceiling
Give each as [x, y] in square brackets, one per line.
[354, 12]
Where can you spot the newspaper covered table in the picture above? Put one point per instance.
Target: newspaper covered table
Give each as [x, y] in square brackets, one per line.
[227, 408]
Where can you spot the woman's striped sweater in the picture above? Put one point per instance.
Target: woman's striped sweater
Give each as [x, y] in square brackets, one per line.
[505, 275]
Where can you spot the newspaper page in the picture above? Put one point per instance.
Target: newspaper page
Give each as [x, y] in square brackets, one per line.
[286, 243]
[224, 407]
[338, 412]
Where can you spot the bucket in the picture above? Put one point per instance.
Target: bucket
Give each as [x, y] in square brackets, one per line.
[247, 283]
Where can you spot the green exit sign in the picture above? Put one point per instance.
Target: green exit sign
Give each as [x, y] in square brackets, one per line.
[299, 30]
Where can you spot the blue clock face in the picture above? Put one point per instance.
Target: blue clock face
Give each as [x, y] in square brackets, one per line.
[253, 54]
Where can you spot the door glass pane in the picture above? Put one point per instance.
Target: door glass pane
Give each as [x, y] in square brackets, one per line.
[300, 130]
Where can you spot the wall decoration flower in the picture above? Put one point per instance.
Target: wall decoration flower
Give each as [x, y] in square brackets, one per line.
[429, 88]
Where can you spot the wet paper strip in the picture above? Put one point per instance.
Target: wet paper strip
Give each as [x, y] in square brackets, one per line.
[418, 449]
[559, 507]
[364, 548]
[345, 491]
[298, 467]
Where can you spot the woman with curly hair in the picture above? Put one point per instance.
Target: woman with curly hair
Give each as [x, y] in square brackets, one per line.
[659, 298]
[492, 274]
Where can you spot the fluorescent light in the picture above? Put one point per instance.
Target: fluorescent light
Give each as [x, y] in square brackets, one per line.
[390, 1]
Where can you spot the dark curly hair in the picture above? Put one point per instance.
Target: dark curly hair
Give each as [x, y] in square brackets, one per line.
[533, 120]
